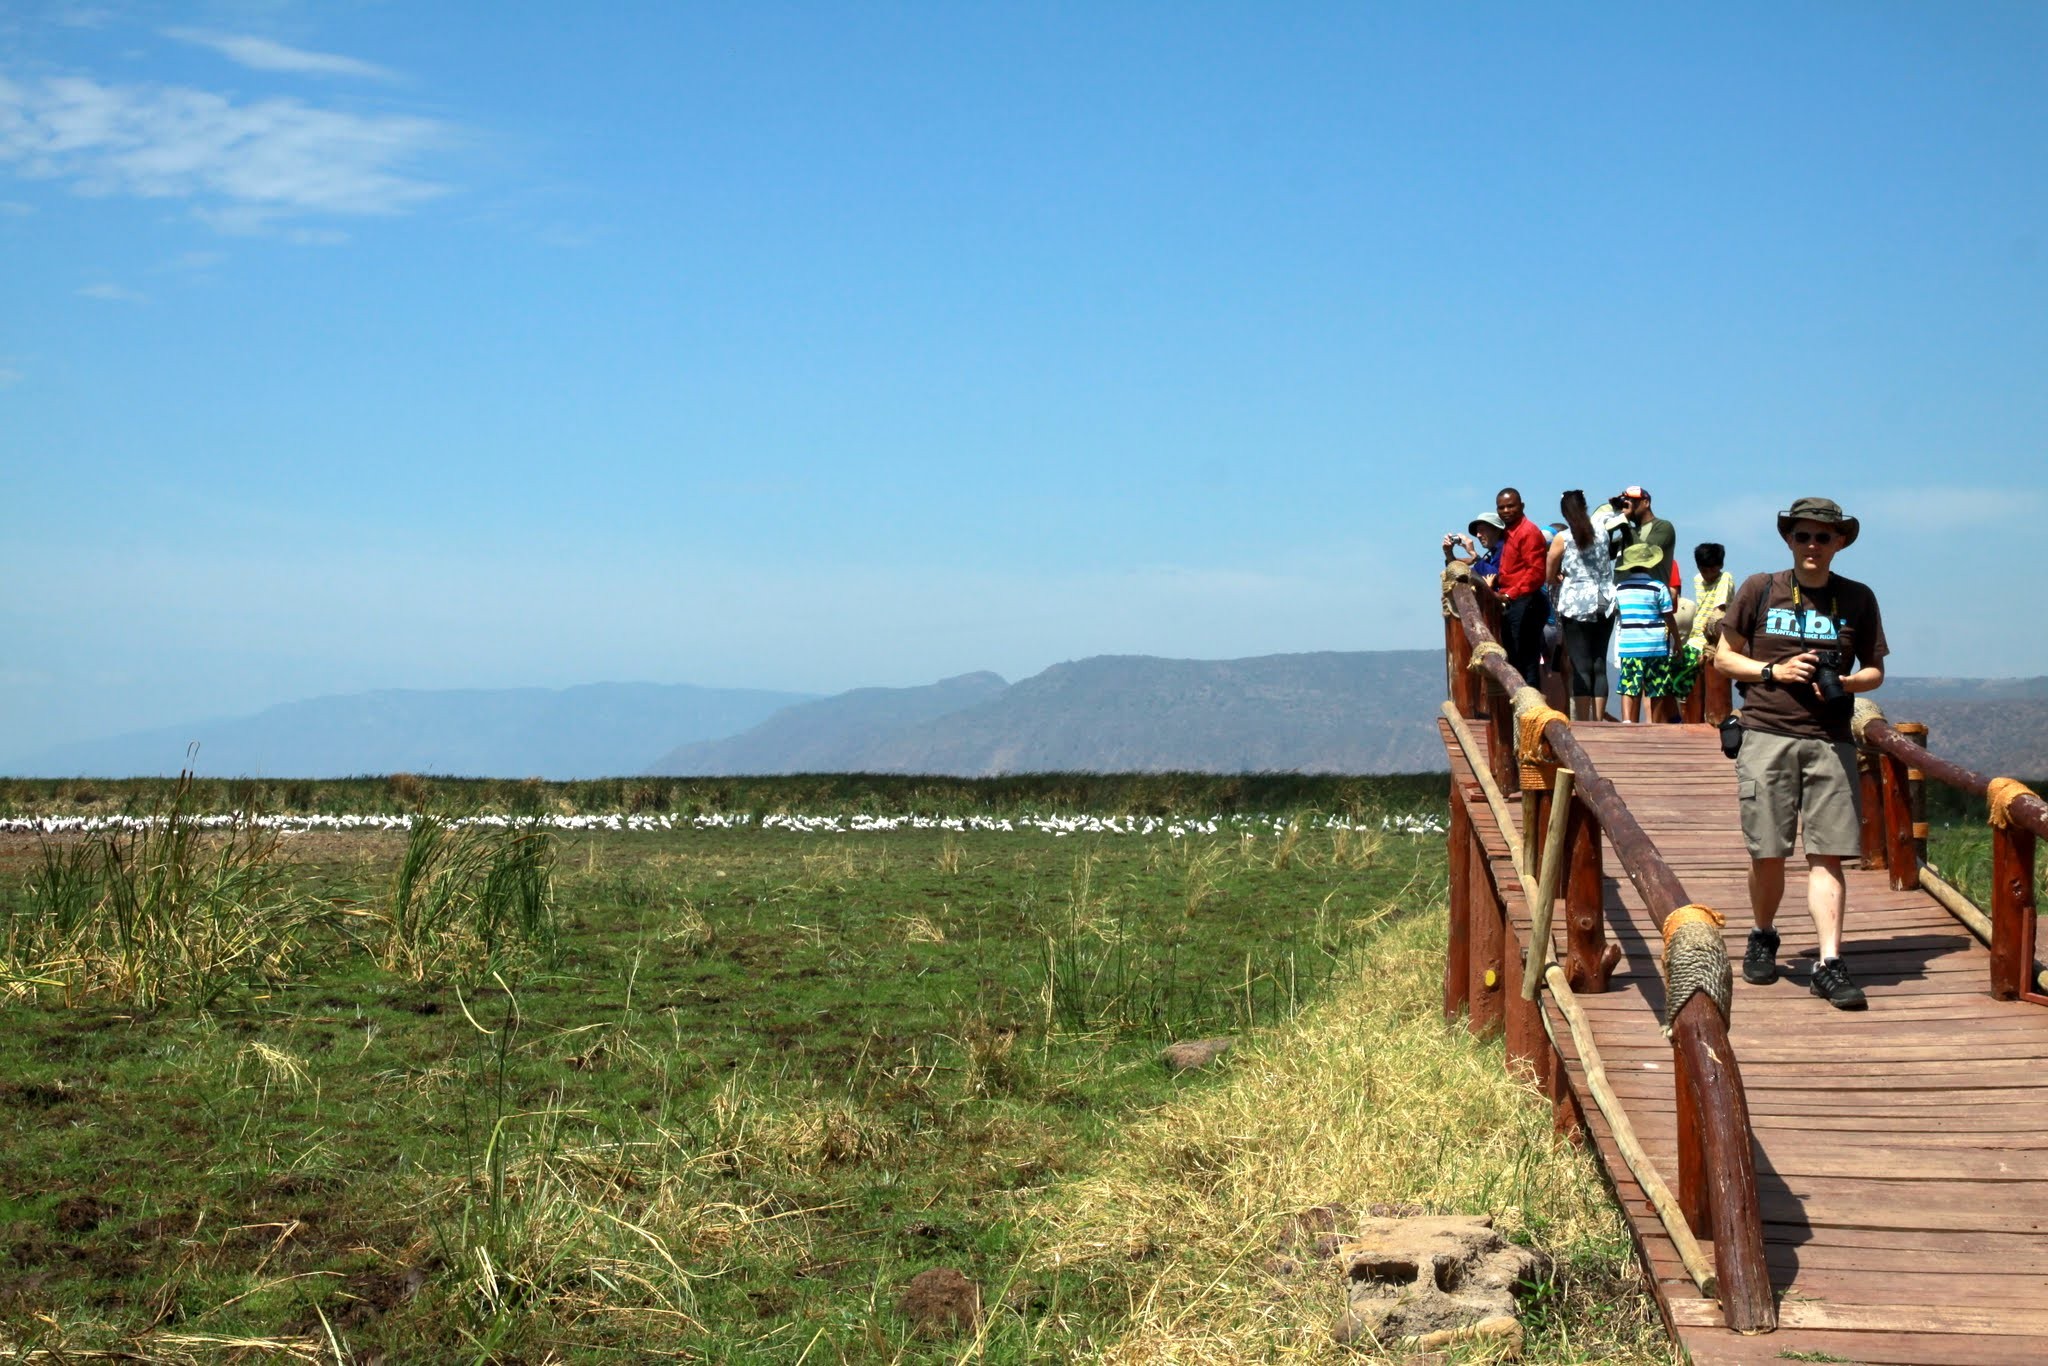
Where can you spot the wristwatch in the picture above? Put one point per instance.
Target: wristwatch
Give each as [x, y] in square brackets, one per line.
[1765, 676]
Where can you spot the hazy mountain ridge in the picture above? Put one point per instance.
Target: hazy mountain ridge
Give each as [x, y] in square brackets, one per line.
[590, 731]
[830, 735]
[1329, 712]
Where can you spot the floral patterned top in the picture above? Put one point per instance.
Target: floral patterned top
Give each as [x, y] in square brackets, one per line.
[1586, 588]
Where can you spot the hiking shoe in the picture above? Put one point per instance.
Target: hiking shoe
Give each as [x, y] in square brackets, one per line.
[1760, 959]
[1831, 983]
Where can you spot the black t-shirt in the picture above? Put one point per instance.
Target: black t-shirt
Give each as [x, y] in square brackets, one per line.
[1782, 620]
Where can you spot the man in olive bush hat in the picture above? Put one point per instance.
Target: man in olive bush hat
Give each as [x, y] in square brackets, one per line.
[1799, 641]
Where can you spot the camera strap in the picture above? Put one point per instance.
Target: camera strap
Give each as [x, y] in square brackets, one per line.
[1799, 614]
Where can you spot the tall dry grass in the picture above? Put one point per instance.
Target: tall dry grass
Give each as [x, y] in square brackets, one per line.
[1367, 1099]
[168, 911]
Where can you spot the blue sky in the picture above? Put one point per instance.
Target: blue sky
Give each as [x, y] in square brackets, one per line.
[365, 345]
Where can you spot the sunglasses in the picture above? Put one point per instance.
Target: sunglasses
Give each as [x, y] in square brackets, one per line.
[1814, 537]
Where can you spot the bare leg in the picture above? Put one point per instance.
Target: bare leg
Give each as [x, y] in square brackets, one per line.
[1766, 889]
[1827, 897]
[1599, 707]
[1631, 708]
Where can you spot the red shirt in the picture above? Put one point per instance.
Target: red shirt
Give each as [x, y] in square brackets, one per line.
[1522, 557]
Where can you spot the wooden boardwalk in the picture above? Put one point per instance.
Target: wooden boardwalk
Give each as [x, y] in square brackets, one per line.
[1902, 1152]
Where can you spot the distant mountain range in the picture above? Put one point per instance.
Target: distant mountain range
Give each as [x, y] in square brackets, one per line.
[1313, 713]
[1352, 712]
[598, 730]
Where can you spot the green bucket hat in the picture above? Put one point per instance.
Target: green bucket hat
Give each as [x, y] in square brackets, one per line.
[1825, 510]
[1639, 556]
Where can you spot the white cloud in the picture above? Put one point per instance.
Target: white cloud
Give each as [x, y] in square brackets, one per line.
[14, 208]
[9, 377]
[262, 54]
[245, 165]
[108, 292]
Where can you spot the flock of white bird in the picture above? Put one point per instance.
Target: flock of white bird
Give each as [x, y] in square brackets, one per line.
[1250, 826]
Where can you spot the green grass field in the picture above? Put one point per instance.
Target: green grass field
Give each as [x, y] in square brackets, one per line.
[719, 1093]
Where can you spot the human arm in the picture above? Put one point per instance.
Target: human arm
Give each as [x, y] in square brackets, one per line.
[1732, 658]
[1553, 563]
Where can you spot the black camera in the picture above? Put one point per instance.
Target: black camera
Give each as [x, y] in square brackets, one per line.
[1827, 674]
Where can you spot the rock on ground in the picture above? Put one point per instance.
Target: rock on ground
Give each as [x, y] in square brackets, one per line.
[1434, 1280]
[1179, 1057]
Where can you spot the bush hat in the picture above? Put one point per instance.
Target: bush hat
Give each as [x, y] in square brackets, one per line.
[1491, 519]
[1825, 510]
[1639, 556]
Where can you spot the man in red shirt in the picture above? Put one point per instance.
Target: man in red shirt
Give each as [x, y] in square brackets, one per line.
[1523, 555]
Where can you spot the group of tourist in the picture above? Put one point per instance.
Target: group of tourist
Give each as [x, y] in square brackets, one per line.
[1606, 578]
[1797, 643]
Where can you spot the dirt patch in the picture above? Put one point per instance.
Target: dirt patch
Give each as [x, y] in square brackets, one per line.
[35, 1094]
[80, 1213]
[941, 1302]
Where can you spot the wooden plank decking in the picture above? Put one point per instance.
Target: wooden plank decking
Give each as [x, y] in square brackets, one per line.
[1902, 1152]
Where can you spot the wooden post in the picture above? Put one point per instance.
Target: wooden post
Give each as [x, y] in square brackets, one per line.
[1526, 1042]
[1898, 826]
[1465, 685]
[1693, 708]
[1727, 1162]
[1488, 975]
[1720, 693]
[1871, 787]
[1692, 1192]
[2012, 911]
[1458, 954]
[1916, 789]
[1500, 748]
[1585, 903]
[1565, 1118]
[1535, 819]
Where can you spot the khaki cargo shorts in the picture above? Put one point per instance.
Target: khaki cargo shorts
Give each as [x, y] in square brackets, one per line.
[1785, 781]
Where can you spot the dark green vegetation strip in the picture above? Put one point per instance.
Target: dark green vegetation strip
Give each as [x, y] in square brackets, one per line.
[730, 1094]
[826, 794]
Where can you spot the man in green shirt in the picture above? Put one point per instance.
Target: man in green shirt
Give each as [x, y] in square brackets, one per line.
[1644, 527]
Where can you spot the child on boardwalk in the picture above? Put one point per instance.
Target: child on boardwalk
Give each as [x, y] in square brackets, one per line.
[1645, 628]
[1712, 586]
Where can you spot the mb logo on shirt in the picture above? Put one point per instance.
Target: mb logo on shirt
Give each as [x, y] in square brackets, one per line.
[1786, 621]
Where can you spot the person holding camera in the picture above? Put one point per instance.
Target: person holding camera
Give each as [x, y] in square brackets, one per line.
[1481, 544]
[1799, 642]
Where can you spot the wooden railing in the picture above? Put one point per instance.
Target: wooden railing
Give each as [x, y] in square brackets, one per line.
[1717, 1188]
[1896, 765]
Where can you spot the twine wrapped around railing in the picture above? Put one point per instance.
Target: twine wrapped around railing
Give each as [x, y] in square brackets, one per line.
[1532, 713]
[1864, 712]
[1485, 650]
[1695, 961]
[1455, 572]
[2001, 794]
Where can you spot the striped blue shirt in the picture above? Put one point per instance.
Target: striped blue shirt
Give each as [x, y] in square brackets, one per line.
[1641, 602]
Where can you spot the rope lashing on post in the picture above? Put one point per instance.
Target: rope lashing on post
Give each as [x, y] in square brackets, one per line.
[1455, 573]
[2001, 794]
[1862, 715]
[1532, 713]
[1695, 960]
[1491, 649]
